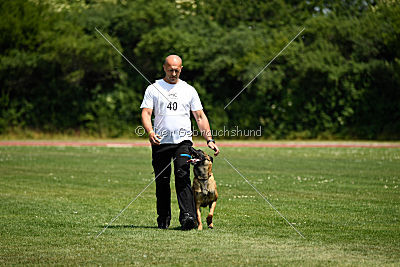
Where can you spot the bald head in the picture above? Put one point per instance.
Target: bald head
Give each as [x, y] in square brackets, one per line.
[173, 60]
[172, 68]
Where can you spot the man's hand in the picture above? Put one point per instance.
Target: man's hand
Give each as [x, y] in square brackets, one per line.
[214, 147]
[154, 138]
[204, 127]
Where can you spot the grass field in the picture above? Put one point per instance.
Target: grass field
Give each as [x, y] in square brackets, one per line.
[346, 202]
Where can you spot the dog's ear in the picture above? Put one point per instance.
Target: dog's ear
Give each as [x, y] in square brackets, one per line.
[195, 153]
[212, 160]
[192, 151]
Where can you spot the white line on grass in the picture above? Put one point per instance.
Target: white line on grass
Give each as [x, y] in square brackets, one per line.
[119, 214]
[265, 199]
[264, 68]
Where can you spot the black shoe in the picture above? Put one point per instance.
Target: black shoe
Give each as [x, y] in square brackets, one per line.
[163, 223]
[188, 222]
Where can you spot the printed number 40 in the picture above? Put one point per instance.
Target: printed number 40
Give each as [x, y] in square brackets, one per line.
[172, 106]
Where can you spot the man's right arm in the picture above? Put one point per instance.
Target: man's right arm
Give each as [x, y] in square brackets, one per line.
[146, 121]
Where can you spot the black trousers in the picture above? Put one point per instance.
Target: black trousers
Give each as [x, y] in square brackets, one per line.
[162, 156]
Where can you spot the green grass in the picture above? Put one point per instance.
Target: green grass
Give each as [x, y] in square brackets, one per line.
[346, 202]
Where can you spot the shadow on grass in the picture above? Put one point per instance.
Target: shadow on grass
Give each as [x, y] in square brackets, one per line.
[139, 227]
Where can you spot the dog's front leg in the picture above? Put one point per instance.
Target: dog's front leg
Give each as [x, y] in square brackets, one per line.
[211, 214]
[200, 226]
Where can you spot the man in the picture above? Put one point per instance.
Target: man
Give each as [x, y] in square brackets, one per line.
[172, 99]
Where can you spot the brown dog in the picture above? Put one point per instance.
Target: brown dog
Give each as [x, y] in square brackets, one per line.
[204, 186]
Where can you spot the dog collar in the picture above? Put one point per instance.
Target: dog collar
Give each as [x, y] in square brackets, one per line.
[186, 155]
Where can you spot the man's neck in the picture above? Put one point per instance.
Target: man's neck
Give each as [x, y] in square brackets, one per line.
[165, 80]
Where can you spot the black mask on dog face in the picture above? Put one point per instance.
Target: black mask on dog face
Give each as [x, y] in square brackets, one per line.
[197, 154]
[200, 155]
[201, 162]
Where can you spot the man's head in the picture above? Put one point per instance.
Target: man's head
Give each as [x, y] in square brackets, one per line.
[172, 68]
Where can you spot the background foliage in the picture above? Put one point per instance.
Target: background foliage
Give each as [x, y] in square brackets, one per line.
[340, 79]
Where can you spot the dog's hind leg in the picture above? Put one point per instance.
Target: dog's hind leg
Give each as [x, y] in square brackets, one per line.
[211, 214]
[200, 226]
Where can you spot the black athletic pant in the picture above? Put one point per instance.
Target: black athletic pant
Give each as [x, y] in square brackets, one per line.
[162, 157]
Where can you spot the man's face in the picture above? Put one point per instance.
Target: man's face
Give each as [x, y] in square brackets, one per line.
[172, 73]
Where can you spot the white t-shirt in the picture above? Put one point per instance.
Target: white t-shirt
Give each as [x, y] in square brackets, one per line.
[171, 104]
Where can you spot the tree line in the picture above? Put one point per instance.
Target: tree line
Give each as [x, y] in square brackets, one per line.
[340, 78]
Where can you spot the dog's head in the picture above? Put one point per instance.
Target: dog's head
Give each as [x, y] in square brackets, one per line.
[202, 163]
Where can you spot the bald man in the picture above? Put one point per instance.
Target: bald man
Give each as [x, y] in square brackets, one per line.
[172, 100]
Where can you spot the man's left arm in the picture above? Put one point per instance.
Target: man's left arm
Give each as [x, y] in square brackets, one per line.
[204, 126]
